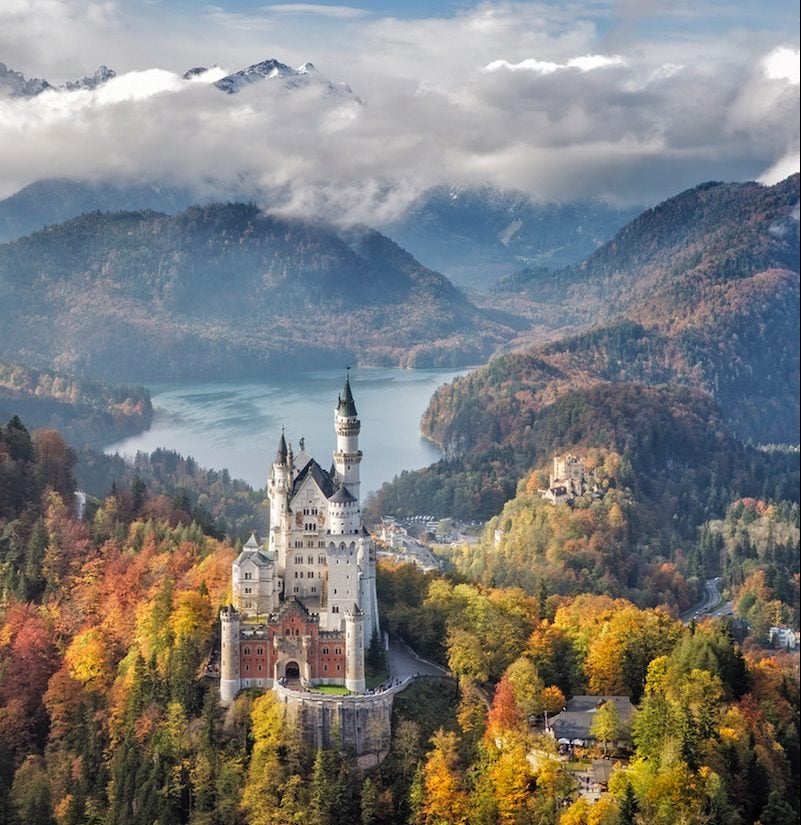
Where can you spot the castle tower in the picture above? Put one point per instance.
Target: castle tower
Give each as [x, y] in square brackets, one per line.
[278, 486]
[347, 456]
[229, 655]
[354, 650]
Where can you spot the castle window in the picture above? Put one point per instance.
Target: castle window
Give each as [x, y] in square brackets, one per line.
[335, 591]
[295, 589]
[325, 651]
[248, 575]
[314, 588]
[321, 559]
[310, 559]
[339, 651]
[287, 632]
[247, 590]
[296, 574]
[259, 651]
[298, 559]
[247, 667]
[325, 667]
[335, 608]
[259, 667]
[297, 632]
[246, 651]
[339, 667]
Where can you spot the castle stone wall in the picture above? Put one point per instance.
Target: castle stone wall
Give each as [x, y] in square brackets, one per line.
[360, 723]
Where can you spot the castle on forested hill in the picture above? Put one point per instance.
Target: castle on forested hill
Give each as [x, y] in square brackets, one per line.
[304, 603]
[568, 480]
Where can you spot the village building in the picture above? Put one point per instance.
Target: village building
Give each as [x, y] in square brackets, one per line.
[573, 726]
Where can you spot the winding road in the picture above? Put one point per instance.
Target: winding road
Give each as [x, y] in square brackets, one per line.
[712, 604]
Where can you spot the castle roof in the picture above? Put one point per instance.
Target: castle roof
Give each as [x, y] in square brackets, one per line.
[342, 495]
[257, 556]
[280, 456]
[323, 480]
[345, 405]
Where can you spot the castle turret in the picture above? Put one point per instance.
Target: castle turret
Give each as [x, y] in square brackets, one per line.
[229, 655]
[278, 486]
[354, 650]
[347, 456]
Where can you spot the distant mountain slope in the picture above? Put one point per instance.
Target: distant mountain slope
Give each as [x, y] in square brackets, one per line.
[477, 235]
[224, 290]
[708, 285]
[56, 200]
[85, 412]
[667, 261]
[698, 298]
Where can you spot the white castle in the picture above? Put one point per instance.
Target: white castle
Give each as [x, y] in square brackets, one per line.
[304, 607]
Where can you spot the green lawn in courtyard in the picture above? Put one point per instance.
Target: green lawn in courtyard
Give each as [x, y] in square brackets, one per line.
[332, 690]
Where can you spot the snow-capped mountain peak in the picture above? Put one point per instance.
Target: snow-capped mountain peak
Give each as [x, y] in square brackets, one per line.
[101, 76]
[15, 84]
[271, 68]
[302, 77]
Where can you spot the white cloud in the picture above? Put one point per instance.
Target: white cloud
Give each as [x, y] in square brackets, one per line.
[593, 115]
[782, 64]
[784, 167]
[587, 63]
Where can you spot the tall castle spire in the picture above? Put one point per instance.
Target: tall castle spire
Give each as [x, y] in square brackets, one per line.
[347, 456]
[345, 404]
[280, 456]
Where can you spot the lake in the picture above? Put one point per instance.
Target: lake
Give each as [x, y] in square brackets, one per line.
[236, 425]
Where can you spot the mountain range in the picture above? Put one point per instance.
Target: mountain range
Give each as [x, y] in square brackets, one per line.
[477, 235]
[225, 290]
[691, 334]
[15, 84]
[702, 290]
[474, 236]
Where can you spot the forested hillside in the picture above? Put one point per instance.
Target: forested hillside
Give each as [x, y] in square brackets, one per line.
[84, 412]
[225, 290]
[705, 323]
[676, 254]
[701, 290]
[107, 714]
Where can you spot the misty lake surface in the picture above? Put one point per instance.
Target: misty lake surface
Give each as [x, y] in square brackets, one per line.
[236, 425]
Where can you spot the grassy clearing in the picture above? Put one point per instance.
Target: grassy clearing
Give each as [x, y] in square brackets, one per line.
[333, 690]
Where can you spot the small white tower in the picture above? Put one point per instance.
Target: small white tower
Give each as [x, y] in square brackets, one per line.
[278, 486]
[229, 655]
[347, 456]
[354, 650]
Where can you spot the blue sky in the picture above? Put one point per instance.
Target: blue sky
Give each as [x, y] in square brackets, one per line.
[624, 100]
